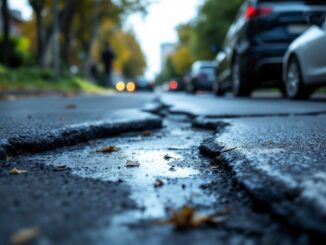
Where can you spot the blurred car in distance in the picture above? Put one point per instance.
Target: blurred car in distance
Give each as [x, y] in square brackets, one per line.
[173, 85]
[201, 76]
[253, 50]
[142, 83]
[304, 68]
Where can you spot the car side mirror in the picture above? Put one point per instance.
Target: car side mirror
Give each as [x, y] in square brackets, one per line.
[215, 48]
[316, 19]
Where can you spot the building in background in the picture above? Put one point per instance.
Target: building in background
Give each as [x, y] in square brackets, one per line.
[166, 50]
[16, 21]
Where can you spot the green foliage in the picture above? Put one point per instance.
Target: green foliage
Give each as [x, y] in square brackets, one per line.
[18, 52]
[135, 64]
[197, 38]
[211, 25]
[34, 79]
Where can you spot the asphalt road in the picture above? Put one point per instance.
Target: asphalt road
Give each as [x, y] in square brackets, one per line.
[257, 165]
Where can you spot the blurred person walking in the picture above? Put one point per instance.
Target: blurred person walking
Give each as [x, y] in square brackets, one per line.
[107, 57]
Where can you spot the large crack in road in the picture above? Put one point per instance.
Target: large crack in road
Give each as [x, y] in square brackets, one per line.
[109, 202]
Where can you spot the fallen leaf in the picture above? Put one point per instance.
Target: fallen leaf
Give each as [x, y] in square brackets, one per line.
[71, 106]
[147, 133]
[131, 164]
[17, 171]
[108, 149]
[24, 235]
[158, 183]
[188, 218]
[167, 157]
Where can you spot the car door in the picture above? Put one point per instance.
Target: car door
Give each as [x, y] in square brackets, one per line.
[315, 55]
[224, 58]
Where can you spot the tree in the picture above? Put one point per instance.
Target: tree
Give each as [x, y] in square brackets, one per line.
[211, 25]
[38, 7]
[6, 29]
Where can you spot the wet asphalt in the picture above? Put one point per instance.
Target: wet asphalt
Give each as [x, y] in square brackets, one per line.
[255, 172]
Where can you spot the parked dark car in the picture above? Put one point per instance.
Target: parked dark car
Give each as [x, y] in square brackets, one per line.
[142, 83]
[201, 76]
[255, 44]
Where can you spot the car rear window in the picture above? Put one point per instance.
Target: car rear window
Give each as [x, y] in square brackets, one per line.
[208, 69]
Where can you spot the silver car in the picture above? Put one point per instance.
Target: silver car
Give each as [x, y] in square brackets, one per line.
[304, 67]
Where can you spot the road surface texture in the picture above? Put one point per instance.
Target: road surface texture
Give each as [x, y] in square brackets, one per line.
[130, 168]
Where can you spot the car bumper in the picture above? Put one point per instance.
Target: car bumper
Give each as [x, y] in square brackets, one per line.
[264, 63]
[204, 85]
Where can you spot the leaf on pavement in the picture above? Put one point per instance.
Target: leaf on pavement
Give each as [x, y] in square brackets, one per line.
[71, 106]
[131, 164]
[167, 157]
[188, 218]
[24, 235]
[147, 133]
[108, 149]
[158, 183]
[17, 171]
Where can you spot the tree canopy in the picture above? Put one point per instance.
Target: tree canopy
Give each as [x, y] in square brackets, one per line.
[197, 38]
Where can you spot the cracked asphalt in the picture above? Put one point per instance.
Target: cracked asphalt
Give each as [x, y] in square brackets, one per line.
[259, 162]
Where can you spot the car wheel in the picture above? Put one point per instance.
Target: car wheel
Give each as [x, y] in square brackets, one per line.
[192, 87]
[217, 90]
[240, 84]
[295, 89]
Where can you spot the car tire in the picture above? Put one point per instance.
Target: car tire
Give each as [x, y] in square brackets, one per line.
[295, 88]
[217, 90]
[192, 87]
[240, 83]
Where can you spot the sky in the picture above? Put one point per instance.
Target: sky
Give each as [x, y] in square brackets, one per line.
[157, 27]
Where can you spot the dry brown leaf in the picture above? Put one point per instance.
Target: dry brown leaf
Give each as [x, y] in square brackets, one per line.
[17, 171]
[147, 133]
[131, 164]
[24, 235]
[158, 183]
[108, 149]
[71, 106]
[187, 218]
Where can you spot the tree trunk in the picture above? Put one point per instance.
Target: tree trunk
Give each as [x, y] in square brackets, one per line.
[6, 30]
[41, 52]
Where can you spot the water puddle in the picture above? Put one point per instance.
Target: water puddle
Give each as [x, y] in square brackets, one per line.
[156, 163]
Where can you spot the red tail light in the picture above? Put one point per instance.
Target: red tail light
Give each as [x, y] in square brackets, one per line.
[252, 11]
[173, 85]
